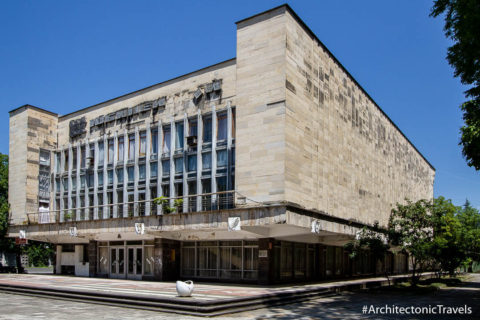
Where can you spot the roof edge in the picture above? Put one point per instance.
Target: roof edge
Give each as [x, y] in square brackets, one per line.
[29, 106]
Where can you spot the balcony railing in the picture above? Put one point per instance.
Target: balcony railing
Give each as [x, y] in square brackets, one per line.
[157, 206]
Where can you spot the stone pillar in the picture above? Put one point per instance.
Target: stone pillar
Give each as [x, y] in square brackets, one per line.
[266, 274]
[115, 199]
[58, 262]
[92, 258]
[214, 155]
[95, 182]
[79, 183]
[105, 212]
[199, 158]
[167, 259]
[70, 164]
[172, 162]
[126, 144]
[185, 164]
[62, 189]
[159, 164]
[148, 146]
[87, 187]
[229, 147]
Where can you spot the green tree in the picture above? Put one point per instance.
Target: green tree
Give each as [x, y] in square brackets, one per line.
[462, 25]
[410, 228]
[469, 219]
[6, 244]
[447, 248]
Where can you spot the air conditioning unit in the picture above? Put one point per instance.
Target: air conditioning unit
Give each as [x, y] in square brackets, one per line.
[89, 163]
[192, 141]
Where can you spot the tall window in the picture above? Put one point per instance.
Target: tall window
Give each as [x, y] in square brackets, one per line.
[74, 183]
[92, 153]
[153, 169]
[165, 167]
[141, 172]
[233, 123]
[207, 130]
[119, 175]
[65, 167]
[82, 157]
[131, 147]
[110, 151]
[221, 158]
[110, 177]
[131, 174]
[58, 162]
[222, 127]
[143, 143]
[74, 158]
[121, 150]
[154, 141]
[179, 165]
[101, 153]
[166, 140]
[192, 163]
[206, 161]
[100, 178]
[192, 128]
[179, 135]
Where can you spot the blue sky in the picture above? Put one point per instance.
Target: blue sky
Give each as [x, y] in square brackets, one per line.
[66, 55]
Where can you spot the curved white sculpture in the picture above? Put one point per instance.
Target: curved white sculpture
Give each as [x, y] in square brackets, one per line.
[184, 288]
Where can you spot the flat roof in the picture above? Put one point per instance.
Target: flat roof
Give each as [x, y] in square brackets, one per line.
[310, 32]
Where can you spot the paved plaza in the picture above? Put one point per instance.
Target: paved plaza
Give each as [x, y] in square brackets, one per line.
[341, 306]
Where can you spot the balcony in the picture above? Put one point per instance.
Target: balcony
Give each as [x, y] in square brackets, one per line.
[175, 205]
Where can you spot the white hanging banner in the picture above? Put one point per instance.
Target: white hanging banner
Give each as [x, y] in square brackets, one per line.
[73, 231]
[140, 228]
[234, 224]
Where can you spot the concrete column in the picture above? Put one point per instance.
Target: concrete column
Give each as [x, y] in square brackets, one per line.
[199, 158]
[92, 258]
[95, 182]
[184, 174]
[70, 164]
[87, 200]
[135, 176]
[266, 264]
[172, 162]
[147, 169]
[105, 211]
[229, 146]
[62, 167]
[159, 167]
[115, 178]
[79, 184]
[125, 176]
[58, 262]
[214, 154]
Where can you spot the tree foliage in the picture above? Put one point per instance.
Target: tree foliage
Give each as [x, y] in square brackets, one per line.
[6, 244]
[462, 25]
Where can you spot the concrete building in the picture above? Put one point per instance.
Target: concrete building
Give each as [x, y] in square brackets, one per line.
[265, 165]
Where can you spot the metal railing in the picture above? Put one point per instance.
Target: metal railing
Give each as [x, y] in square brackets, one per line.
[157, 206]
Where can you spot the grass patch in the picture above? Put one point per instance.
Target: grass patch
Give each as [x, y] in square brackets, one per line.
[424, 286]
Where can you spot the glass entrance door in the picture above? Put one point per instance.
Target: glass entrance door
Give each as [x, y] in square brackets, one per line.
[135, 266]
[117, 262]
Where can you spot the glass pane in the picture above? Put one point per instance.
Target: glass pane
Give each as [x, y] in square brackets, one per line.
[154, 141]
[113, 268]
[166, 140]
[143, 143]
[221, 158]
[121, 260]
[131, 259]
[100, 153]
[131, 147]
[110, 176]
[100, 178]
[192, 163]
[120, 175]
[165, 167]
[110, 151]
[153, 169]
[139, 260]
[103, 252]
[222, 127]
[179, 136]
[141, 171]
[148, 260]
[130, 174]
[207, 130]
[178, 165]
[121, 150]
[206, 161]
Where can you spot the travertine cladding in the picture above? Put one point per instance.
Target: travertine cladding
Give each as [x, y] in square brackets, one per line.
[31, 129]
[260, 130]
[179, 93]
[343, 155]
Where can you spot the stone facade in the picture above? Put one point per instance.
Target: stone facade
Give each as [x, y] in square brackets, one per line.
[308, 155]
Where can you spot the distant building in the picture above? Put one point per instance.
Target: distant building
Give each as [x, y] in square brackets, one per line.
[268, 163]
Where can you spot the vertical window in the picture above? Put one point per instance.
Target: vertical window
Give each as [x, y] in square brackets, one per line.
[119, 175]
[82, 157]
[100, 178]
[141, 172]
[165, 167]
[131, 174]
[143, 143]
[154, 141]
[221, 184]
[65, 184]
[66, 161]
[166, 190]
[179, 135]
[192, 163]
[74, 183]
[221, 158]
[131, 147]
[110, 151]
[178, 165]
[233, 123]
[92, 153]
[192, 128]
[222, 127]
[110, 177]
[206, 161]
[101, 153]
[121, 151]
[207, 130]
[58, 162]
[166, 140]
[100, 207]
[153, 169]
[57, 184]
[74, 158]
[82, 181]
[90, 181]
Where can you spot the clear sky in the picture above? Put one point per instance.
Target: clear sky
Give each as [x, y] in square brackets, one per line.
[67, 55]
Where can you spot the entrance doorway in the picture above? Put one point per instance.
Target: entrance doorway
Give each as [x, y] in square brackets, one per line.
[117, 262]
[134, 262]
